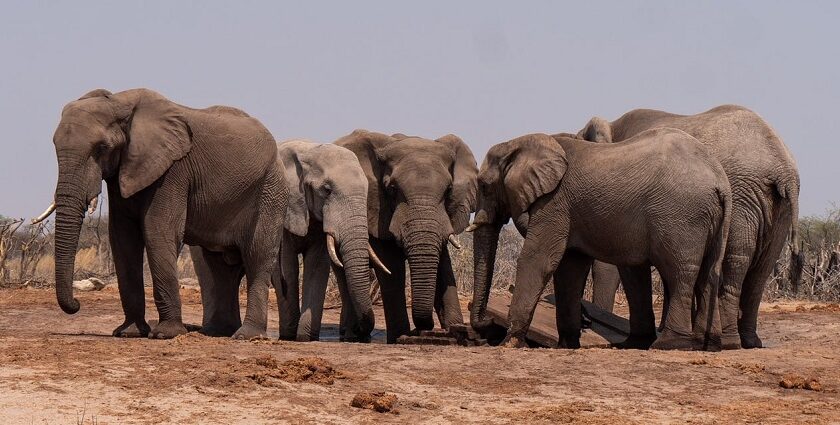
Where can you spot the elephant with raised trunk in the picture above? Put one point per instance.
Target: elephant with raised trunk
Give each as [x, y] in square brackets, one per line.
[765, 191]
[671, 210]
[175, 175]
[327, 218]
[420, 194]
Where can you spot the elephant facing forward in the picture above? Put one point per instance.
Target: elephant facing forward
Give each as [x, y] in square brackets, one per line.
[327, 218]
[659, 199]
[765, 191]
[420, 194]
[175, 175]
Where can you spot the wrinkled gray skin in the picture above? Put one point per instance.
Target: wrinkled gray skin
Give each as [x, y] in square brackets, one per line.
[327, 195]
[419, 193]
[765, 189]
[204, 177]
[676, 207]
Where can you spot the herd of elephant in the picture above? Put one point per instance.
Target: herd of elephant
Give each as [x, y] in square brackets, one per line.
[709, 200]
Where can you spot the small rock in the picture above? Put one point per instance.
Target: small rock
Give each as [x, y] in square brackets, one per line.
[378, 401]
[89, 284]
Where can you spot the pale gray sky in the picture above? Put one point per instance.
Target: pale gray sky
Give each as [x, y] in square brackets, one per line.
[487, 71]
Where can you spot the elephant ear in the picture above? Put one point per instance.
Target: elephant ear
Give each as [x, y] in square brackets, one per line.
[535, 165]
[461, 200]
[364, 145]
[297, 212]
[597, 130]
[158, 135]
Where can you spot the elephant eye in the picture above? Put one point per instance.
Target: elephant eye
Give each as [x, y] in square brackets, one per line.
[99, 149]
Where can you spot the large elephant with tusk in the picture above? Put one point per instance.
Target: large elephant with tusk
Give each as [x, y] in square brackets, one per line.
[175, 175]
[420, 194]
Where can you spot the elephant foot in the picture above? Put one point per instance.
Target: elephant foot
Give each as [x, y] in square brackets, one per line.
[730, 342]
[359, 339]
[217, 329]
[249, 332]
[637, 342]
[569, 340]
[751, 340]
[708, 343]
[670, 340]
[131, 329]
[168, 329]
[512, 341]
[307, 338]
[288, 337]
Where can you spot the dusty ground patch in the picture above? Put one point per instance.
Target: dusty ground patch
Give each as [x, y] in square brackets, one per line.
[56, 368]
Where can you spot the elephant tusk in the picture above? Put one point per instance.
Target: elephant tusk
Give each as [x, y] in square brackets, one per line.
[44, 214]
[331, 250]
[454, 241]
[93, 203]
[376, 261]
[472, 227]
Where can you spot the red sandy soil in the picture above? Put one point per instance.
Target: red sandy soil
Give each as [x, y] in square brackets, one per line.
[61, 369]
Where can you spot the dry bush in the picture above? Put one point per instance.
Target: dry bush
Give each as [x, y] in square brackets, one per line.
[26, 257]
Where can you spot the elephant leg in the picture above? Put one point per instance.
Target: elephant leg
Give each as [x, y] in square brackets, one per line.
[316, 273]
[538, 260]
[447, 304]
[219, 292]
[756, 280]
[680, 276]
[163, 256]
[638, 289]
[706, 319]
[260, 251]
[127, 249]
[740, 248]
[569, 283]
[393, 289]
[286, 288]
[605, 281]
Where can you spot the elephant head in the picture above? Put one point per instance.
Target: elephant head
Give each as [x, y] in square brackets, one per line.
[514, 175]
[420, 194]
[130, 138]
[597, 130]
[327, 185]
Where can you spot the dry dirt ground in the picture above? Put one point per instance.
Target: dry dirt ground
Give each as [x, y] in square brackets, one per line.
[59, 369]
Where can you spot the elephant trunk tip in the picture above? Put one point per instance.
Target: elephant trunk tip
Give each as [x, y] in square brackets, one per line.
[70, 306]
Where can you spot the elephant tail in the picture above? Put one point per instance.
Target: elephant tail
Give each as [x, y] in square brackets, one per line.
[725, 200]
[789, 192]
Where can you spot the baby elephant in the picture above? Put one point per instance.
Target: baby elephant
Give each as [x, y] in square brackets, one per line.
[658, 199]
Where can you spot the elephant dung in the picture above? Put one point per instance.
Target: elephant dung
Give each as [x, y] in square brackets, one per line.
[377, 401]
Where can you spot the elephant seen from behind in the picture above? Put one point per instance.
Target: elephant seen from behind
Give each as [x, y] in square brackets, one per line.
[765, 190]
[657, 200]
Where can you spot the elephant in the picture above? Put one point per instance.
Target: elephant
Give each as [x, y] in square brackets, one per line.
[175, 175]
[420, 195]
[327, 218]
[672, 211]
[765, 188]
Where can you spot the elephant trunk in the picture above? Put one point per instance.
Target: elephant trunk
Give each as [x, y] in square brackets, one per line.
[70, 208]
[353, 246]
[423, 247]
[485, 242]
